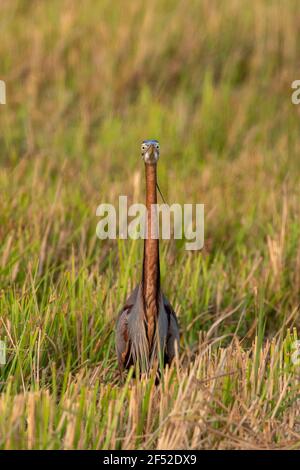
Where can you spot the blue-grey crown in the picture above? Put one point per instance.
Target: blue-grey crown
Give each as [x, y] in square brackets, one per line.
[150, 141]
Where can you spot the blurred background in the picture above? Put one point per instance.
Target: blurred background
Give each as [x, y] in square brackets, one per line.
[86, 82]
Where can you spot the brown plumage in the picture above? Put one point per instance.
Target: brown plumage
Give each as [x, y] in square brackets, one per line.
[151, 275]
[147, 323]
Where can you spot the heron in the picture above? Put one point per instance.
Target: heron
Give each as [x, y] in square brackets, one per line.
[147, 327]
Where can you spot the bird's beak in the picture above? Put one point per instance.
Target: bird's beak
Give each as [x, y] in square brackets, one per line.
[151, 150]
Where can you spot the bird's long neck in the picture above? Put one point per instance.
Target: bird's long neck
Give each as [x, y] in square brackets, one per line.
[151, 273]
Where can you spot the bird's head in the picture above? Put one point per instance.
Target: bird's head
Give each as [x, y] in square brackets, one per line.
[150, 151]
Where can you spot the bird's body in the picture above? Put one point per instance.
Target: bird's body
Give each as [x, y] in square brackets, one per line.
[147, 325]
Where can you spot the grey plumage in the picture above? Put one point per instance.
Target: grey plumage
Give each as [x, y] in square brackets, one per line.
[131, 337]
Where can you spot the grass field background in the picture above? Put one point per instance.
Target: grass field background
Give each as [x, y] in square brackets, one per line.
[86, 82]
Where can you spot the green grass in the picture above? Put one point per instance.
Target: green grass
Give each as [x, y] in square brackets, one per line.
[85, 84]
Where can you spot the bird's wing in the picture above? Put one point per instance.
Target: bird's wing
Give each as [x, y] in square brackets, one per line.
[122, 337]
[170, 311]
[173, 332]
